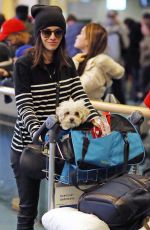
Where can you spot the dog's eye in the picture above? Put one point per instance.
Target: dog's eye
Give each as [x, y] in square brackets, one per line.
[67, 113]
[77, 114]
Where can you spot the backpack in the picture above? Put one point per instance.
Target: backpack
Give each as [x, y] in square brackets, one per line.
[123, 202]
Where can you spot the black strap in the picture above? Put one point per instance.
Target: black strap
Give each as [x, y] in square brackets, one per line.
[57, 77]
[86, 143]
[126, 150]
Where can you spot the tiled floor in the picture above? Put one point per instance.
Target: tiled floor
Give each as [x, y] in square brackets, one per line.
[8, 218]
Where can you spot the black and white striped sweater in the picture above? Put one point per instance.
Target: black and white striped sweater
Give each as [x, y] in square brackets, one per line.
[35, 91]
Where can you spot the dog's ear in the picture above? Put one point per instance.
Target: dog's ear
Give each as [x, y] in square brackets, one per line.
[57, 111]
[80, 103]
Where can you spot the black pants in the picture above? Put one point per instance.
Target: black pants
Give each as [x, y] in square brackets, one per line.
[28, 190]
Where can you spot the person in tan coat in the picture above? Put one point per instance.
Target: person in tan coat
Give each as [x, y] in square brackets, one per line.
[96, 69]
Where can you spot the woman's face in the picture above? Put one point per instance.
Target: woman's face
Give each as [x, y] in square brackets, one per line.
[145, 30]
[81, 41]
[51, 37]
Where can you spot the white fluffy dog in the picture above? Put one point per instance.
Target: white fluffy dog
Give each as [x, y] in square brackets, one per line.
[72, 113]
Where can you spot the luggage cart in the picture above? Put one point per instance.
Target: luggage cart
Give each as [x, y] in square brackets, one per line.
[52, 135]
[53, 178]
[53, 130]
[50, 127]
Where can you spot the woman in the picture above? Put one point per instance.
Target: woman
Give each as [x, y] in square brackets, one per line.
[145, 58]
[36, 79]
[132, 56]
[96, 70]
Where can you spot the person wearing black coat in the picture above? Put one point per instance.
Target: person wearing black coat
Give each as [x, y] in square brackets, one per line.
[132, 55]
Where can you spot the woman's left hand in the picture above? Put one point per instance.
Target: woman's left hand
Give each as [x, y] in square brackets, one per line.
[102, 123]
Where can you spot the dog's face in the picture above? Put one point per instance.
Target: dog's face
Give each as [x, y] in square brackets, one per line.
[72, 113]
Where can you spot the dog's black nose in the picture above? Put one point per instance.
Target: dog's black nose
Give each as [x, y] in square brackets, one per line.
[71, 119]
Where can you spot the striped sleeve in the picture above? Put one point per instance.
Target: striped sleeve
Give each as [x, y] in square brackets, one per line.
[24, 100]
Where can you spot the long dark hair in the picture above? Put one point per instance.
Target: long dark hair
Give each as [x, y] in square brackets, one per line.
[96, 36]
[60, 57]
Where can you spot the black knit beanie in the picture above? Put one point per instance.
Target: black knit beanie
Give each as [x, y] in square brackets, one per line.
[46, 16]
[22, 12]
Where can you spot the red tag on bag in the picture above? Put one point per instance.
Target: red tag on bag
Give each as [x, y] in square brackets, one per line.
[108, 117]
[102, 128]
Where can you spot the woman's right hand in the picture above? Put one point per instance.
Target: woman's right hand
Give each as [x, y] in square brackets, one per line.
[3, 73]
[39, 138]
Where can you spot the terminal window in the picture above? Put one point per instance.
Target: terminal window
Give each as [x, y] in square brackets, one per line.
[145, 3]
[111, 4]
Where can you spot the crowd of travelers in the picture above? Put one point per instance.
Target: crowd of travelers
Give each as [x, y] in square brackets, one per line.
[110, 57]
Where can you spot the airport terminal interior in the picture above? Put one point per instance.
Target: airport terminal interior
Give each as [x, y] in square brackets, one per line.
[128, 48]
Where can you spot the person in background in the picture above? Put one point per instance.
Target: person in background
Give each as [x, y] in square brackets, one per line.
[96, 69]
[145, 58]
[6, 69]
[22, 12]
[145, 17]
[144, 132]
[36, 80]
[6, 61]
[2, 19]
[118, 39]
[132, 56]
[13, 32]
[22, 50]
[118, 42]
[73, 29]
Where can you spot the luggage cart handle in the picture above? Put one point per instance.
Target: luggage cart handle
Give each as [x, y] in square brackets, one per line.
[136, 119]
[47, 125]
